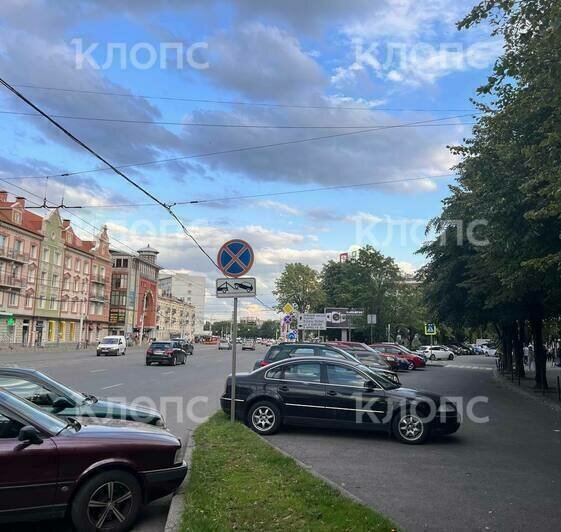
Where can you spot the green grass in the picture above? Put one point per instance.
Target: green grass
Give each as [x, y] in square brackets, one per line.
[239, 482]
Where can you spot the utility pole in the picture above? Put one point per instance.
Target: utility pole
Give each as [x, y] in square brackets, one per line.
[389, 332]
[81, 326]
[234, 345]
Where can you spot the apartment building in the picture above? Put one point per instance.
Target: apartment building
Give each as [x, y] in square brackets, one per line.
[175, 318]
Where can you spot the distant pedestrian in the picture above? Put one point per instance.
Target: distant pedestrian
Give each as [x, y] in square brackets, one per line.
[530, 357]
[526, 350]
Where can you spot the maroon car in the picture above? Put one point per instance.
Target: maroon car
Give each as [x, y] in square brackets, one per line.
[99, 473]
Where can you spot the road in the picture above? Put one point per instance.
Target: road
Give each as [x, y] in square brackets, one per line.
[185, 394]
[499, 475]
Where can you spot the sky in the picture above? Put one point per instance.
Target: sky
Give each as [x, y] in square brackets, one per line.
[357, 103]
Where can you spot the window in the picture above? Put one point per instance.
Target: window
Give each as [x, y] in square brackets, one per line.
[2, 241]
[74, 306]
[119, 281]
[77, 264]
[56, 258]
[67, 263]
[55, 280]
[31, 274]
[53, 304]
[29, 300]
[275, 373]
[9, 428]
[305, 372]
[64, 305]
[13, 299]
[18, 246]
[51, 331]
[343, 376]
[41, 302]
[331, 353]
[66, 282]
[33, 251]
[303, 352]
[17, 217]
[46, 254]
[43, 278]
[76, 284]
[29, 390]
[86, 267]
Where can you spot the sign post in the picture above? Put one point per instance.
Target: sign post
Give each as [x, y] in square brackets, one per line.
[430, 330]
[235, 258]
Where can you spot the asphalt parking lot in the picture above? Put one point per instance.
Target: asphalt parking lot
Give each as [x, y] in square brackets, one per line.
[498, 475]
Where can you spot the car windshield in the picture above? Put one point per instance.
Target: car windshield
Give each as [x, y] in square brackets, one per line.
[160, 345]
[77, 397]
[371, 355]
[29, 411]
[384, 382]
[110, 341]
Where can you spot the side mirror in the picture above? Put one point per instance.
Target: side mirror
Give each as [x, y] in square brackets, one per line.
[369, 385]
[29, 435]
[60, 403]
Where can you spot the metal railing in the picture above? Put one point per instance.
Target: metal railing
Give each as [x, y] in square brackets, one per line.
[13, 254]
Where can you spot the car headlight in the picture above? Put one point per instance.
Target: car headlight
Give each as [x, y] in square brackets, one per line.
[179, 454]
[446, 407]
[160, 422]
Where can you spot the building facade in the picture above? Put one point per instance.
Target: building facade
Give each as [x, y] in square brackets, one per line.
[134, 294]
[175, 318]
[50, 289]
[192, 289]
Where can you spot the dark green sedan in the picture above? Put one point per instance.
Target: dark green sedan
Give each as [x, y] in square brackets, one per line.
[56, 398]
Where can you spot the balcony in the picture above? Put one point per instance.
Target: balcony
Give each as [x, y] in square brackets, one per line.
[10, 281]
[13, 255]
[97, 299]
[98, 279]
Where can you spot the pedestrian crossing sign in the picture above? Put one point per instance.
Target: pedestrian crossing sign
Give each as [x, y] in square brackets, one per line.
[430, 329]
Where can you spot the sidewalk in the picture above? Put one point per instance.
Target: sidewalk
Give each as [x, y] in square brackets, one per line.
[526, 385]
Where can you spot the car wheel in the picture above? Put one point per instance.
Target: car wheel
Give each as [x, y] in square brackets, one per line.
[98, 354]
[410, 366]
[409, 428]
[148, 363]
[264, 417]
[184, 359]
[173, 361]
[432, 357]
[108, 501]
[124, 352]
[450, 356]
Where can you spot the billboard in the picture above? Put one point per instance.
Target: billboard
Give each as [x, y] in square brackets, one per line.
[336, 318]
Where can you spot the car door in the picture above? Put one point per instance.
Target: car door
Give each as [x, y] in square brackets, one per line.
[302, 391]
[349, 401]
[28, 473]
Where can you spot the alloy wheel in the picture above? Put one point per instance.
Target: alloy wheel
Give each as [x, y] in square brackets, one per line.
[109, 505]
[263, 418]
[411, 427]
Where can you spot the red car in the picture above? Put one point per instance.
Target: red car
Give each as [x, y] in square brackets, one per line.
[99, 473]
[359, 346]
[415, 361]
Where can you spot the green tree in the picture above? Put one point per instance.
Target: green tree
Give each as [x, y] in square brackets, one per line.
[299, 285]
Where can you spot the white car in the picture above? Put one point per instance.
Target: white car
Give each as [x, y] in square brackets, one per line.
[437, 352]
[489, 350]
[112, 345]
[248, 345]
[224, 344]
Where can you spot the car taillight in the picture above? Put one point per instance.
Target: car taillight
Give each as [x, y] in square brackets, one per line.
[263, 363]
[168, 352]
[149, 352]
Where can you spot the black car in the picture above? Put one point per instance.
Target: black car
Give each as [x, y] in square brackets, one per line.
[186, 345]
[166, 352]
[336, 393]
[291, 350]
[56, 398]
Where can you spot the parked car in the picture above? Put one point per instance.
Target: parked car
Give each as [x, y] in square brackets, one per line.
[112, 345]
[57, 398]
[437, 352]
[165, 352]
[337, 393]
[460, 349]
[412, 360]
[100, 473]
[489, 350]
[248, 345]
[186, 345]
[290, 349]
[395, 363]
[224, 344]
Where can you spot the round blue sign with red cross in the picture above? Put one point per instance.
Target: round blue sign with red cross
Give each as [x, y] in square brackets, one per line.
[235, 258]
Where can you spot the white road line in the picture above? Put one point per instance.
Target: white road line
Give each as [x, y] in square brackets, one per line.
[458, 366]
[112, 386]
[97, 370]
[167, 372]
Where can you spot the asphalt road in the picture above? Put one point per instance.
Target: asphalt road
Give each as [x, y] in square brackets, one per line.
[498, 475]
[504, 474]
[185, 394]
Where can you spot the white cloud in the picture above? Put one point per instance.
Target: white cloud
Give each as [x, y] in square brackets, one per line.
[279, 207]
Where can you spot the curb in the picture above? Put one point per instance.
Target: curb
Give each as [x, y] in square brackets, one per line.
[175, 512]
[343, 491]
[535, 396]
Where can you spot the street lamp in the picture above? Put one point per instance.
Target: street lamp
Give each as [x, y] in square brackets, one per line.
[144, 298]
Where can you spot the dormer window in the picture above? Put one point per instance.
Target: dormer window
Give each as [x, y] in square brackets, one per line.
[17, 217]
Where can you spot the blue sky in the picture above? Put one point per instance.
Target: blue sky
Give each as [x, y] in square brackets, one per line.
[387, 62]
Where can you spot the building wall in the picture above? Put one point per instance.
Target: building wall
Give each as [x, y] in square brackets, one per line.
[175, 317]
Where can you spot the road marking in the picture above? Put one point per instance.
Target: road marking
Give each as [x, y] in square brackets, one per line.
[97, 370]
[167, 372]
[112, 386]
[485, 368]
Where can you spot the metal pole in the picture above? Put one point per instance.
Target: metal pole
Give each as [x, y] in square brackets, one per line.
[142, 318]
[234, 345]
[558, 389]
[389, 332]
[350, 326]
[81, 323]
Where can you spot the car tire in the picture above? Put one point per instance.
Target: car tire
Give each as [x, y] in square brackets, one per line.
[411, 366]
[124, 352]
[450, 356]
[98, 354]
[432, 357]
[173, 361]
[264, 417]
[148, 363]
[408, 428]
[109, 485]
